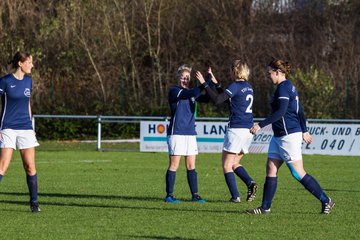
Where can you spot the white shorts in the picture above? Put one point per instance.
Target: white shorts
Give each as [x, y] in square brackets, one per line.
[237, 140]
[286, 148]
[182, 145]
[23, 139]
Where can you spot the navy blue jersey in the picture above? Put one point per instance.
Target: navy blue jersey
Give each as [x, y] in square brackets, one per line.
[241, 100]
[15, 102]
[287, 115]
[182, 105]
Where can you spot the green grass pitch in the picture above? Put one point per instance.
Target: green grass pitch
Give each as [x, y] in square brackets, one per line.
[119, 195]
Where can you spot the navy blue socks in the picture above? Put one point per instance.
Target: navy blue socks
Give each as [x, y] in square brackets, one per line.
[269, 192]
[307, 181]
[193, 182]
[243, 175]
[314, 188]
[1, 176]
[231, 183]
[33, 187]
[170, 182]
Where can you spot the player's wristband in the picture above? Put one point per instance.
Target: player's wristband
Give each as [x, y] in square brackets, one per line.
[205, 85]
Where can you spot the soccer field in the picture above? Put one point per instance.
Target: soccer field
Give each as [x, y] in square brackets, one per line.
[113, 195]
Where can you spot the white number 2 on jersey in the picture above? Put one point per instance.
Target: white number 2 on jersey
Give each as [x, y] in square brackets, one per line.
[249, 108]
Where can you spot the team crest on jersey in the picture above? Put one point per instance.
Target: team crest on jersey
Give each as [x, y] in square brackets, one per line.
[27, 92]
[192, 99]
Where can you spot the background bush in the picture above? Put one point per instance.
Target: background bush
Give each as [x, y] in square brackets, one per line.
[118, 57]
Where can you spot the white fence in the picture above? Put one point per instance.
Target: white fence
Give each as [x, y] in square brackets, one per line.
[99, 121]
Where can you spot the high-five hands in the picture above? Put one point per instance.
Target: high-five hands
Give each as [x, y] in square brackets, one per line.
[213, 79]
[200, 77]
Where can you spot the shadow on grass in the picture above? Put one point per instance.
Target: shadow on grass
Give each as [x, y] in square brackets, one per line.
[66, 195]
[300, 189]
[159, 237]
[15, 210]
[113, 197]
[173, 207]
[340, 190]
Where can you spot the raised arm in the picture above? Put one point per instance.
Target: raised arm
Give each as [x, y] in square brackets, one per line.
[181, 93]
[216, 85]
[214, 95]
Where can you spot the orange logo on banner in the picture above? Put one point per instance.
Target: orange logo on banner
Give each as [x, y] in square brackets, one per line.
[160, 128]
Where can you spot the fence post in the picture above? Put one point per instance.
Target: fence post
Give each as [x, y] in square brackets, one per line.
[99, 133]
[33, 122]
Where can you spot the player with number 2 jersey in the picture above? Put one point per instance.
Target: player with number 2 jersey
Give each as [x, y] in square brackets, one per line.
[238, 138]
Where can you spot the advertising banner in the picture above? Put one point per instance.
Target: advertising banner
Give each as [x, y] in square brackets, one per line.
[328, 139]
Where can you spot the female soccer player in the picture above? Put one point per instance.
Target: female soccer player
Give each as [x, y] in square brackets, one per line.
[289, 126]
[16, 126]
[181, 133]
[238, 138]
